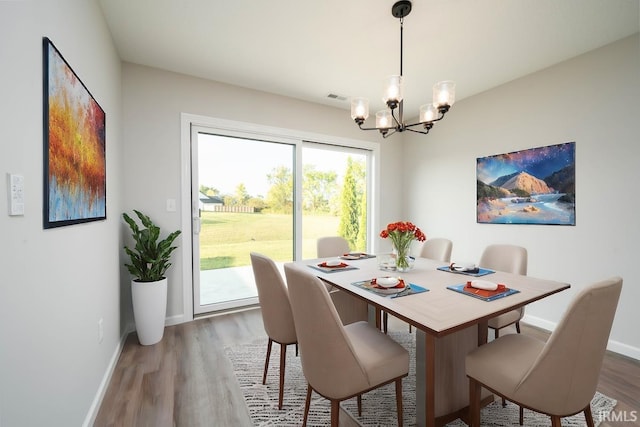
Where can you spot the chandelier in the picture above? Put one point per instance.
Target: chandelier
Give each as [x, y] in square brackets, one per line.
[387, 121]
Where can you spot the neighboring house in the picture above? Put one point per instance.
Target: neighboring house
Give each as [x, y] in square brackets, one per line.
[209, 203]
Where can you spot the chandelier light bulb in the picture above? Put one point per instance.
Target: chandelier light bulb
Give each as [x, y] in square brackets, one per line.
[444, 93]
[359, 108]
[428, 113]
[393, 91]
[384, 119]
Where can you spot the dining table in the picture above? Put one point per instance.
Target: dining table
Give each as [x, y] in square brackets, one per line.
[449, 321]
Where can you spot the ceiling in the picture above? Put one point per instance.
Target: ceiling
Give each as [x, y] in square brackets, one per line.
[309, 49]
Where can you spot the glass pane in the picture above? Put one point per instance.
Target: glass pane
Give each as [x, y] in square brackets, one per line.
[334, 196]
[246, 204]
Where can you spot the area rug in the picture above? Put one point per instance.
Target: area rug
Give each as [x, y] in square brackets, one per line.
[378, 406]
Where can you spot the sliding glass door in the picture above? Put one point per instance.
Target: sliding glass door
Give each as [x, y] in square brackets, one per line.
[269, 195]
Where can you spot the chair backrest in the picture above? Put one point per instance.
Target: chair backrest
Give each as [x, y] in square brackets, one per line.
[438, 249]
[507, 258]
[564, 377]
[332, 246]
[329, 362]
[274, 300]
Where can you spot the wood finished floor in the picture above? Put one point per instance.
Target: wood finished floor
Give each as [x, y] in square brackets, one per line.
[187, 381]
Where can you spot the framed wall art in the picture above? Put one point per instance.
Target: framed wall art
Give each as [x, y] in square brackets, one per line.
[74, 146]
[533, 186]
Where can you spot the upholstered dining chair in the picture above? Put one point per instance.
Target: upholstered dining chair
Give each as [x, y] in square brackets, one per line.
[350, 308]
[340, 361]
[276, 312]
[559, 377]
[437, 248]
[332, 246]
[510, 259]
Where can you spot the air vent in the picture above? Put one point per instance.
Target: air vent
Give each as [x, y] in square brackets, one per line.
[338, 97]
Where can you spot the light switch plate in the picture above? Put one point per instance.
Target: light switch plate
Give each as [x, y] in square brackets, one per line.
[15, 184]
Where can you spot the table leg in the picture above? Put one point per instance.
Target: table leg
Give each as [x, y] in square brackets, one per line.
[425, 390]
[483, 332]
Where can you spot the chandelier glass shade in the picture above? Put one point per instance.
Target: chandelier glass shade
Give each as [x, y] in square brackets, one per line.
[390, 120]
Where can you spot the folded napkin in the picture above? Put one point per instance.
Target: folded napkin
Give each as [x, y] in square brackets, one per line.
[484, 284]
[484, 288]
[500, 291]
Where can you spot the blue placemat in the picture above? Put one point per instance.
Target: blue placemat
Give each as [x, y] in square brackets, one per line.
[481, 271]
[460, 288]
[332, 269]
[413, 289]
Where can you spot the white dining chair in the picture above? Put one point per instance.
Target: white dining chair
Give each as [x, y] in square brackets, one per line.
[437, 248]
[340, 361]
[510, 259]
[559, 377]
[350, 308]
[276, 312]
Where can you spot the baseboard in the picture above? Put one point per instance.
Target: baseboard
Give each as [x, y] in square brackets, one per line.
[613, 346]
[106, 379]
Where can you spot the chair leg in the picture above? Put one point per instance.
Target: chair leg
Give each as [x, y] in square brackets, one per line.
[399, 401]
[496, 334]
[283, 358]
[385, 321]
[307, 403]
[588, 416]
[474, 403]
[521, 417]
[504, 402]
[335, 413]
[555, 421]
[296, 349]
[518, 326]
[266, 363]
[359, 405]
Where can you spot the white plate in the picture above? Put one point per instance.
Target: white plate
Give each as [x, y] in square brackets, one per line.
[387, 282]
[333, 263]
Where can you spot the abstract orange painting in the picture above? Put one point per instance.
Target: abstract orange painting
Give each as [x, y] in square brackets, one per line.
[74, 146]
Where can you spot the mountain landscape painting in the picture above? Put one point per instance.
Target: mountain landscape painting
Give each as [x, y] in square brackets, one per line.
[534, 186]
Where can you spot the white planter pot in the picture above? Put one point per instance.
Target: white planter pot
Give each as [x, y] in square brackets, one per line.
[149, 309]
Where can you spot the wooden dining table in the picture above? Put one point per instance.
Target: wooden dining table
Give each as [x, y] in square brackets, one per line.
[449, 324]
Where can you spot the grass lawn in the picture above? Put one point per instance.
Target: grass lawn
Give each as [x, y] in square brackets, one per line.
[226, 239]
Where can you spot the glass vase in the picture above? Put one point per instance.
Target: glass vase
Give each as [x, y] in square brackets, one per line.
[404, 261]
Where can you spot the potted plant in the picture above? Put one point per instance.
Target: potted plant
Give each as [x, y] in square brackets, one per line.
[149, 261]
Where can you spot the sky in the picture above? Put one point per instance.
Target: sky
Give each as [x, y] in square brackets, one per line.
[225, 162]
[539, 162]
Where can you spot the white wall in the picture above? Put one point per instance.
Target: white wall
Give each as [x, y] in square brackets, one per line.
[592, 100]
[56, 283]
[153, 103]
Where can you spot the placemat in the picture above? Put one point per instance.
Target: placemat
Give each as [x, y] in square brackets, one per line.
[482, 293]
[325, 269]
[481, 271]
[354, 256]
[412, 289]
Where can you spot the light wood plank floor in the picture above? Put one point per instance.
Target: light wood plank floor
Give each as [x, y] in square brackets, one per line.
[187, 381]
